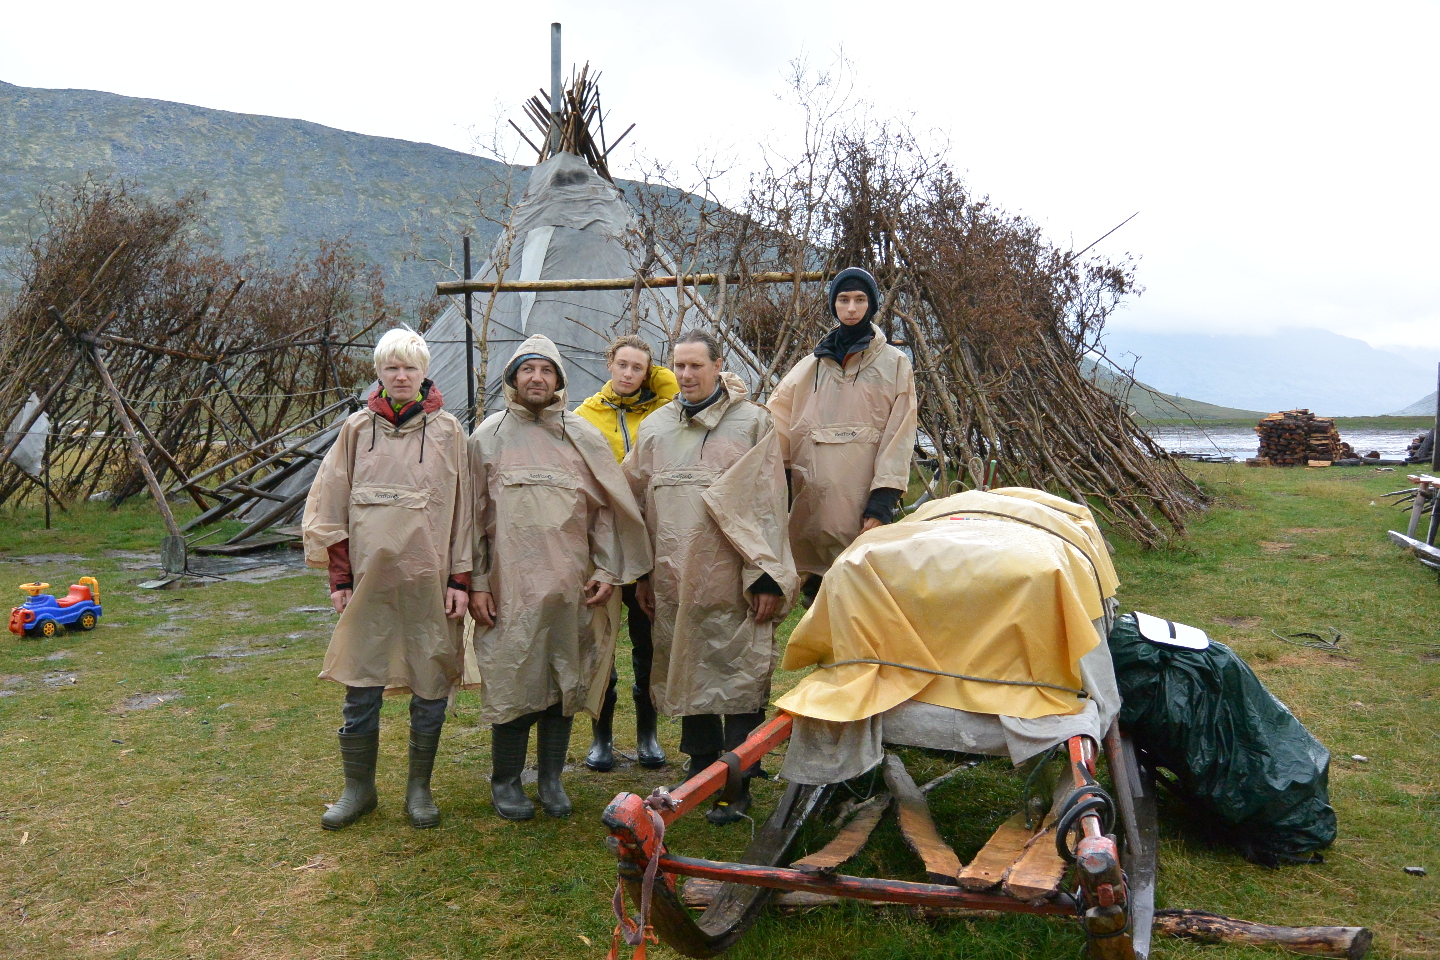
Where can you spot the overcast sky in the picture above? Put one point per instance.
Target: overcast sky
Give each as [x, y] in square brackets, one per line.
[1282, 156]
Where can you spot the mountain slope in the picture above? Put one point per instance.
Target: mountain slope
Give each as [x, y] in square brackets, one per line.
[272, 184]
[1326, 372]
[1150, 404]
[1424, 407]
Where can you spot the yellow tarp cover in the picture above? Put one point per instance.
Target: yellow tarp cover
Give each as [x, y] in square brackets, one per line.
[995, 585]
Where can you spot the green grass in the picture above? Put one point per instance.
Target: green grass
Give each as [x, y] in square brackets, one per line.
[184, 838]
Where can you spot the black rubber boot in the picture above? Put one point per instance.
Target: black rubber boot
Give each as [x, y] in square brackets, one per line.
[698, 763]
[418, 801]
[601, 756]
[357, 755]
[551, 744]
[508, 744]
[723, 813]
[648, 752]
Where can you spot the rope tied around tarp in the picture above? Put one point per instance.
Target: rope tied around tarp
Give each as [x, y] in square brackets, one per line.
[636, 931]
[955, 676]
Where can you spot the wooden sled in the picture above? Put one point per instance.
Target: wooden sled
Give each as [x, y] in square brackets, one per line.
[1105, 845]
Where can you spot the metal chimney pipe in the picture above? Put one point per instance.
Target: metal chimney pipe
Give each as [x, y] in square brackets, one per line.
[554, 88]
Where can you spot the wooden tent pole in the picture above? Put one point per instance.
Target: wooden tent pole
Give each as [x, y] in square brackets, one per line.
[135, 443]
[447, 287]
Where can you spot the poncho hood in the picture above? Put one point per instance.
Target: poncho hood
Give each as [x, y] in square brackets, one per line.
[539, 346]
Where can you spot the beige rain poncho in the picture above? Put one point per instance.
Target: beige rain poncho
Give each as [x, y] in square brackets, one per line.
[713, 491]
[401, 496]
[552, 512]
[843, 432]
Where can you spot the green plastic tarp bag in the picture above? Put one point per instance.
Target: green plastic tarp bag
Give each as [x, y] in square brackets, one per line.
[1241, 760]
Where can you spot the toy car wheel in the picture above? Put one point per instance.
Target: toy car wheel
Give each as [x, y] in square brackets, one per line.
[87, 621]
[47, 628]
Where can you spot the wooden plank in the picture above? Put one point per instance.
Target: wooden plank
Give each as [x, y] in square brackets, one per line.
[239, 549]
[1422, 550]
[850, 840]
[1038, 872]
[1000, 852]
[919, 831]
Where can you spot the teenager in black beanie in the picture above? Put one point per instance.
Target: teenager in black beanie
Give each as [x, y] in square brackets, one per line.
[846, 419]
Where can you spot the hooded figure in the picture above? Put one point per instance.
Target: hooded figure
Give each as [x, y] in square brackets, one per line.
[389, 514]
[556, 528]
[846, 420]
[707, 472]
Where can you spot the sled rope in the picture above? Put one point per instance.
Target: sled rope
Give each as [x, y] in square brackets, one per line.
[636, 931]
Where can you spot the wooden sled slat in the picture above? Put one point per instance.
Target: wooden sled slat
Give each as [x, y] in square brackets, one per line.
[1000, 852]
[941, 862]
[851, 839]
[1038, 872]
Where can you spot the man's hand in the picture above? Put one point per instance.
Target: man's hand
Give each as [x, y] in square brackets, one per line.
[455, 601]
[645, 596]
[341, 599]
[868, 524]
[482, 607]
[764, 606]
[597, 593]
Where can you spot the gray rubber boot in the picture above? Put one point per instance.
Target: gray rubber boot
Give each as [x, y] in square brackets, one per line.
[648, 751]
[552, 743]
[357, 755]
[418, 801]
[507, 757]
[601, 756]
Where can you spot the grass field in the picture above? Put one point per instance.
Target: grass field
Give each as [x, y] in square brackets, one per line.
[161, 779]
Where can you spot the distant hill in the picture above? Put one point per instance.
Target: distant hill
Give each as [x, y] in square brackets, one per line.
[1424, 407]
[1150, 404]
[272, 184]
[1323, 371]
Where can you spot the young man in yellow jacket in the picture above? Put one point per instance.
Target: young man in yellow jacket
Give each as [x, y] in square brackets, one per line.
[637, 388]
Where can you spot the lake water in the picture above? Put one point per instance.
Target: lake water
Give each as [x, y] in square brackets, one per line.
[1242, 442]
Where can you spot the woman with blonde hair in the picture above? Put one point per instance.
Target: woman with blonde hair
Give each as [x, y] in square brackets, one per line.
[637, 388]
[390, 516]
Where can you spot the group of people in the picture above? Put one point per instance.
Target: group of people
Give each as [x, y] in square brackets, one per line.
[708, 513]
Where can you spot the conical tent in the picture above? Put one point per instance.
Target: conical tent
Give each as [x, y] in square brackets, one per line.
[570, 224]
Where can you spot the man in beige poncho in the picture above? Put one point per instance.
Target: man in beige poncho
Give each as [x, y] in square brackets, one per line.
[556, 531]
[846, 419]
[708, 473]
[389, 515]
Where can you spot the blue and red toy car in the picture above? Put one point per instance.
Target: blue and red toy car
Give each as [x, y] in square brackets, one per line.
[43, 615]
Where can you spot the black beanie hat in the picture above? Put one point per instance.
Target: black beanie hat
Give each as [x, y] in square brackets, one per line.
[855, 278]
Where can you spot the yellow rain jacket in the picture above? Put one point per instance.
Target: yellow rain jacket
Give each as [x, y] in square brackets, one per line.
[618, 418]
[401, 496]
[1000, 587]
[843, 432]
[713, 491]
[552, 512]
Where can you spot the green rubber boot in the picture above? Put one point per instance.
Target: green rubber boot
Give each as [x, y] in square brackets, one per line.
[418, 801]
[357, 755]
[508, 744]
[552, 743]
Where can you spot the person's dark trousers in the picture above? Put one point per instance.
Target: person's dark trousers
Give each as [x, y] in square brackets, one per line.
[362, 711]
[642, 653]
[705, 736]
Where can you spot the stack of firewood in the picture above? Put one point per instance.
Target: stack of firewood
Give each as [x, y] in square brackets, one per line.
[1298, 437]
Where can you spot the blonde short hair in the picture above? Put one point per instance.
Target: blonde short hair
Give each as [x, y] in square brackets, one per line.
[633, 342]
[404, 345]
